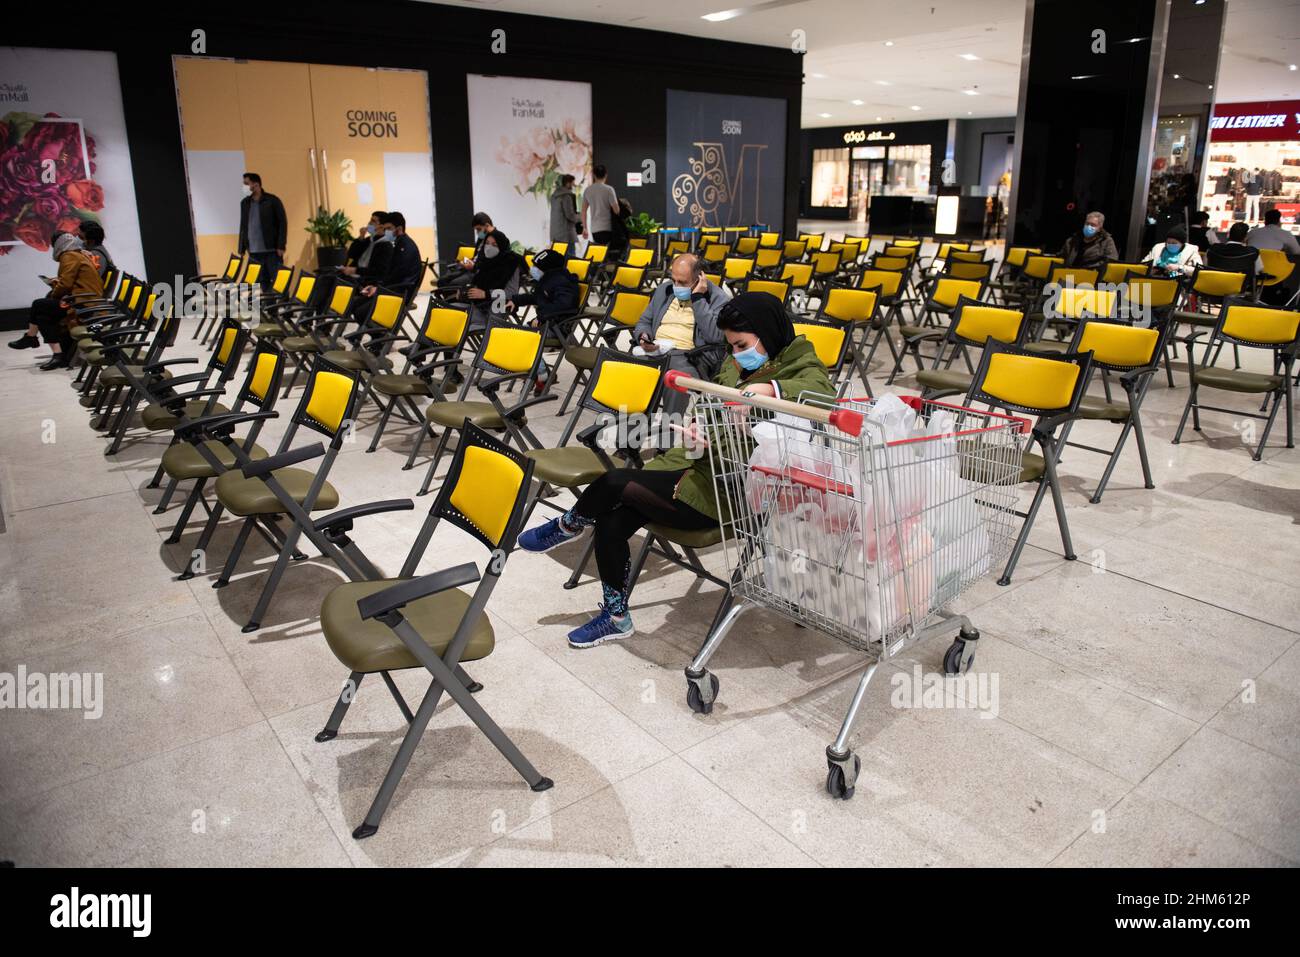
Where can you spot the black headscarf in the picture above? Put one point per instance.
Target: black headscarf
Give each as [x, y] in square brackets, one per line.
[762, 314]
[494, 273]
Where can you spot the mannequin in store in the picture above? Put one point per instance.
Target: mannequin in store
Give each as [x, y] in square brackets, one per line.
[1254, 188]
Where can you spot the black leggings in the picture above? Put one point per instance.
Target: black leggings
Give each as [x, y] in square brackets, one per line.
[51, 318]
[625, 500]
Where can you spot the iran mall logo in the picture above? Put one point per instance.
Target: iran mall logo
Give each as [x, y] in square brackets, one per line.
[712, 190]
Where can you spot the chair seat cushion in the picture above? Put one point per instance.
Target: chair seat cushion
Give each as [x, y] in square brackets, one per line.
[393, 384]
[1208, 320]
[453, 414]
[1032, 467]
[1048, 347]
[300, 344]
[566, 467]
[115, 377]
[910, 330]
[269, 330]
[1096, 407]
[1235, 380]
[581, 357]
[944, 380]
[184, 461]
[157, 419]
[345, 359]
[370, 646]
[688, 538]
[251, 496]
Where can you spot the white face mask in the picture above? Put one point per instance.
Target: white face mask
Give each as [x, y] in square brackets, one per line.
[490, 251]
[246, 190]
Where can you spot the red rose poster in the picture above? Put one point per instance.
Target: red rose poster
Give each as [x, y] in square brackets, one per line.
[63, 159]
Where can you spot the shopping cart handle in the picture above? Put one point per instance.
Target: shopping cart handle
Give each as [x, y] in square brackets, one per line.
[848, 421]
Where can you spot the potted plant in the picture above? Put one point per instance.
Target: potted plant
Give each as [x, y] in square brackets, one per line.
[642, 225]
[333, 231]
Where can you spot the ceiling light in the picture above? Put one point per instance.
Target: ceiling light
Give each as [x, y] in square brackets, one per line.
[856, 102]
[883, 83]
[721, 15]
[970, 112]
[969, 56]
[916, 107]
[877, 119]
[889, 43]
[1291, 67]
[819, 76]
[1177, 77]
[971, 92]
[824, 116]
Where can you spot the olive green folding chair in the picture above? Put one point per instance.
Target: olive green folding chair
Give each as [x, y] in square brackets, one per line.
[507, 353]
[1133, 353]
[196, 458]
[973, 325]
[1257, 327]
[264, 491]
[134, 317]
[430, 362]
[1048, 388]
[393, 624]
[889, 286]
[272, 301]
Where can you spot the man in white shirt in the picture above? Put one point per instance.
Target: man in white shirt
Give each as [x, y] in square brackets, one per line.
[1272, 236]
[599, 207]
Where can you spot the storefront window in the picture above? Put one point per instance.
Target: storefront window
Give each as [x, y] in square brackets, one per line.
[868, 152]
[909, 171]
[830, 178]
[1252, 167]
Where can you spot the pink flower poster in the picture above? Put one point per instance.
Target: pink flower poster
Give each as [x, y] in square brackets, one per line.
[524, 135]
[63, 159]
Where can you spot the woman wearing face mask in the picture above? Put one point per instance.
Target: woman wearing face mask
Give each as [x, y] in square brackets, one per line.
[676, 488]
[1175, 256]
[77, 276]
[496, 268]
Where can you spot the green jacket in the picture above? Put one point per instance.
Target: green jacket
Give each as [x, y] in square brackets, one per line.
[795, 370]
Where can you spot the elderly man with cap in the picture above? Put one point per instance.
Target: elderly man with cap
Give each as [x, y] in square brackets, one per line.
[681, 320]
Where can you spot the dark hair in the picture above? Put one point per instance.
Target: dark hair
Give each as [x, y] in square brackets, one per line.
[394, 219]
[379, 214]
[1237, 233]
[567, 179]
[92, 232]
[254, 178]
[1176, 232]
[599, 171]
[1273, 217]
[482, 219]
[1201, 216]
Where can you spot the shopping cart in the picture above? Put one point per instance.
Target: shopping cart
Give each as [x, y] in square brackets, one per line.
[838, 526]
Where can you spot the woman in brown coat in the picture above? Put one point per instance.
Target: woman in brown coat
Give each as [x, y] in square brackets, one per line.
[77, 276]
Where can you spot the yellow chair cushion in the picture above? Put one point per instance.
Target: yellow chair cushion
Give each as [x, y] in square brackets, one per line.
[370, 646]
[251, 496]
[184, 461]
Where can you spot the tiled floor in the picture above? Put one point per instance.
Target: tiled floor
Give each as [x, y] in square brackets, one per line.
[1146, 711]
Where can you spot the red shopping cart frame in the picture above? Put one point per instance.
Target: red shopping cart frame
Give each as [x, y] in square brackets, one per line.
[917, 404]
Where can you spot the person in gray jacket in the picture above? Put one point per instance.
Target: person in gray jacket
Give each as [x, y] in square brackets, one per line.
[564, 214]
[682, 316]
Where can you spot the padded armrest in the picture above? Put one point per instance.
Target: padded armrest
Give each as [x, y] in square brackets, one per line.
[341, 520]
[157, 366]
[491, 385]
[424, 370]
[396, 596]
[283, 460]
[172, 402]
[936, 334]
[221, 424]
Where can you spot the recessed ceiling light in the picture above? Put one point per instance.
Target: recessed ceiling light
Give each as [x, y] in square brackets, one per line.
[856, 102]
[883, 83]
[721, 15]
[1291, 67]
[970, 112]
[916, 107]
[819, 76]
[1177, 77]
[889, 43]
[877, 119]
[971, 92]
[824, 116]
[969, 56]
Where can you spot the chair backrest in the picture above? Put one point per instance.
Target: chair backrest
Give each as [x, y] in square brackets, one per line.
[483, 494]
[1118, 346]
[579, 267]
[1037, 266]
[1022, 381]
[946, 291]
[968, 270]
[746, 245]
[846, 305]
[769, 240]
[1156, 292]
[887, 282]
[892, 263]
[327, 403]
[1072, 275]
[1119, 272]
[715, 252]
[1231, 260]
[622, 385]
[596, 252]
[1276, 263]
[628, 277]
[905, 241]
[812, 241]
[829, 341]
[967, 256]
[341, 298]
[1217, 283]
[639, 257]
[676, 247]
[1016, 255]
[896, 251]
[443, 325]
[773, 287]
[232, 267]
[638, 242]
[974, 323]
[946, 248]
[281, 281]
[793, 249]
[262, 382]
[627, 306]
[735, 267]
[1070, 302]
[561, 248]
[303, 289]
[386, 311]
[1250, 325]
[508, 348]
[464, 251]
[766, 258]
[253, 273]
[798, 275]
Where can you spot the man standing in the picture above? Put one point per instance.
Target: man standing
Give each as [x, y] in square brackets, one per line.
[599, 207]
[263, 227]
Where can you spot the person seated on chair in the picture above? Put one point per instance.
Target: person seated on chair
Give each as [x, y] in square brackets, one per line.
[1237, 244]
[1175, 256]
[77, 276]
[1091, 246]
[1272, 236]
[1201, 235]
[682, 316]
[92, 241]
[404, 266]
[372, 246]
[461, 273]
[675, 489]
[494, 280]
[555, 289]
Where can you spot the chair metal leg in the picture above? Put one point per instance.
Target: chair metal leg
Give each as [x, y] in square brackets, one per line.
[205, 538]
[1063, 524]
[268, 590]
[350, 688]
[233, 558]
[582, 564]
[1191, 404]
[383, 422]
[1024, 532]
[196, 493]
[433, 466]
[1268, 426]
[166, 497]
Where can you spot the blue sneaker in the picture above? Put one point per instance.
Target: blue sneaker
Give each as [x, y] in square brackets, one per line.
[604, 627]
[544, 537]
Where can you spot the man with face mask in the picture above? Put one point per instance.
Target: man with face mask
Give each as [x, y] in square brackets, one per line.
[370, 262]
[1090, 246]
[680, 317]
[404, 266]
[77, 276]
[263, 227]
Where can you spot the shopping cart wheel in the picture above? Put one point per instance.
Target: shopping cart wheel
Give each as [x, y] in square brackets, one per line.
[842, 775]
[953, 661]
[701, 691]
